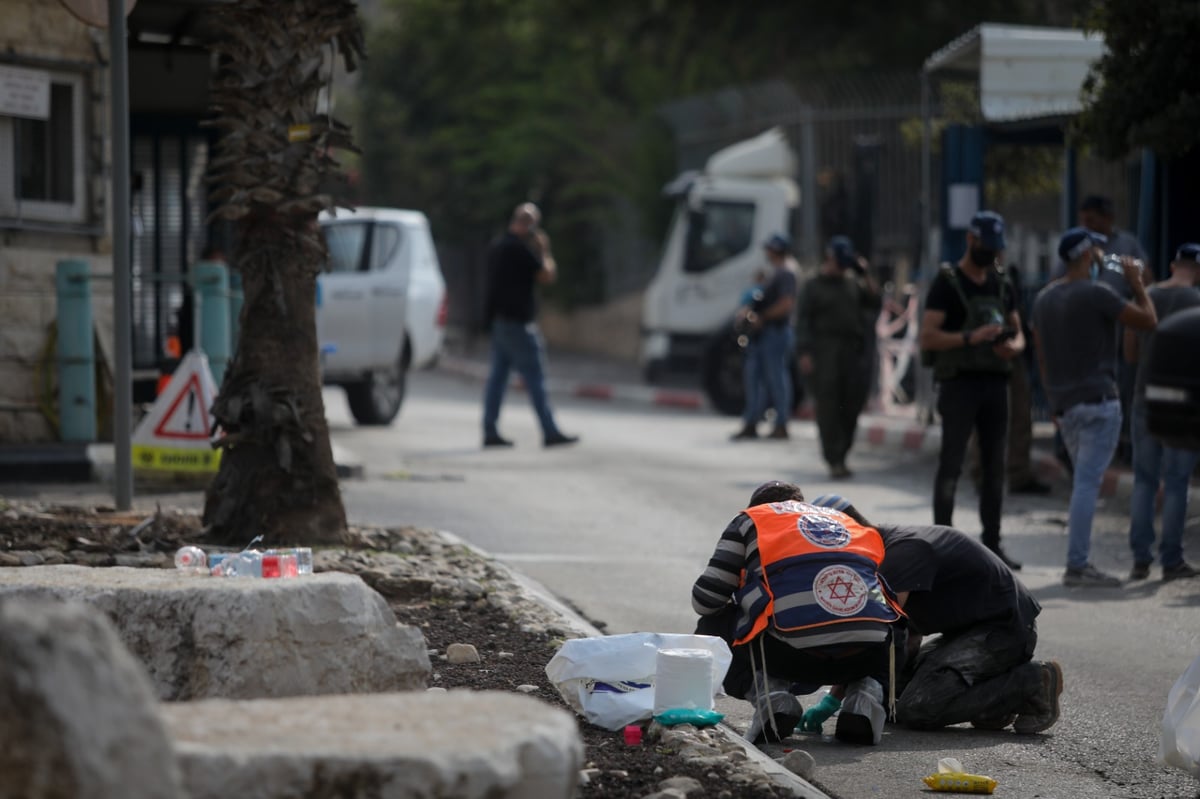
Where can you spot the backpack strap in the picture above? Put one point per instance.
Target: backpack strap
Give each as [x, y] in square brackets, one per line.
[951, 274]
[948, 270]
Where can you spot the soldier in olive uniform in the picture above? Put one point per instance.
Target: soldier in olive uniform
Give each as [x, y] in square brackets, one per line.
[832, 339]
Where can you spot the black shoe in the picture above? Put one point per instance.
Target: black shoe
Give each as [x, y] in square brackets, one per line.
[1000, 553]
[786, 711]
[496, 441]
[854, 728]
[558, 440]
[839, 471]
[1182, 571]
[994, 723]
[1089, 577]
[779, 433]
[747, 433]
[1045, 709]
[1030, 486]
[1140, 571]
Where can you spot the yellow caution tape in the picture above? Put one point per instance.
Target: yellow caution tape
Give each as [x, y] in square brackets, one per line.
[957, 782]
[170, 459]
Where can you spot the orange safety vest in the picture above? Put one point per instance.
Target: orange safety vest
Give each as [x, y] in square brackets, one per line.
[817, 567]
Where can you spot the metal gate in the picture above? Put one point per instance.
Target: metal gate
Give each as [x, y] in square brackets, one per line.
[169, 206]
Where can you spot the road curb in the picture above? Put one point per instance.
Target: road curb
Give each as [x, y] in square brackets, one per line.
[102, 460]
[572, 620]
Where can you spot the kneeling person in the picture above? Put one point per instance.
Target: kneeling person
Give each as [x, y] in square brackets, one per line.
[980, 668]
[794, 589]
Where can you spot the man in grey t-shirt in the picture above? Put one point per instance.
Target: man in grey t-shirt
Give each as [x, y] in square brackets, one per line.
[1074, 329]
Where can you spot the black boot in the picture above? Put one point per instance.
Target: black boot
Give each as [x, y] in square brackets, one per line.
[747, 433]
[1000, 553]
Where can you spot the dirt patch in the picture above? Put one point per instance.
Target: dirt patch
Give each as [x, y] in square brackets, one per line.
[445, 590]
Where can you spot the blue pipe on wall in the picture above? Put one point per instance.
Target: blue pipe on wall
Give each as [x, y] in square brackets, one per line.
[211, 282]
[75, 352]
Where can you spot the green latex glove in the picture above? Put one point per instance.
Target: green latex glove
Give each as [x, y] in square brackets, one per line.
[816, 715]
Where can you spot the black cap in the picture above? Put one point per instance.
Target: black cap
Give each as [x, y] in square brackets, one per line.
[1097, 202]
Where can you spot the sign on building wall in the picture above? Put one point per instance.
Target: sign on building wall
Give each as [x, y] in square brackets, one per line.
[24, 92]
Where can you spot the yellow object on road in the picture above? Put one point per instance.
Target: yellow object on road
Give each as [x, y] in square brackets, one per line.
[957, 782]
[951, 778]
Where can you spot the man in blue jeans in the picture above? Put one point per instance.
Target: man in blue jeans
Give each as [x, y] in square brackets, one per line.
[768, 318]
[1074, 328]
[517, 261]
[1153, 462]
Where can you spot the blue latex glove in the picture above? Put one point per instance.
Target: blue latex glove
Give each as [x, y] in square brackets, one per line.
[816, 715]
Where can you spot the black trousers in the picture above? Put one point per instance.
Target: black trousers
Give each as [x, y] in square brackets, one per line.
[984, 673]
[979, 403]
[806, 669]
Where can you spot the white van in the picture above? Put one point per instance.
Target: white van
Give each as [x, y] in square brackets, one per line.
[381, 306]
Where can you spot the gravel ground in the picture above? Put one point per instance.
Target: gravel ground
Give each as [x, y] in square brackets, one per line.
[454, 595]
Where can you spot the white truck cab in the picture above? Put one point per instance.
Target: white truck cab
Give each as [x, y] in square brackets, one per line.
[381, 306]
[713, 251]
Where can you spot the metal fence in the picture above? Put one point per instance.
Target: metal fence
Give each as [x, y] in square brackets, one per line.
[859, 150]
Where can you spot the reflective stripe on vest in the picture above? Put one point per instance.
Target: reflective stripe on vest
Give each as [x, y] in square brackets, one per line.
[818, 567]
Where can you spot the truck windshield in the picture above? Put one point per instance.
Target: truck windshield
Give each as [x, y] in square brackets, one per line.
[717, 232]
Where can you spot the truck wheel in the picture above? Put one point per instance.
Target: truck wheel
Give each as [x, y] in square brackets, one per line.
[376, 399]
[722, 374]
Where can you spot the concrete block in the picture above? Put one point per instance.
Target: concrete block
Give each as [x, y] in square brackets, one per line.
[465, 744]
[78, 716]
[201, 636]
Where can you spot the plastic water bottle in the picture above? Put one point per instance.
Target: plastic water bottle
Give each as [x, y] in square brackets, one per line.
[243, 564]
[1113, 274]
[304, 560]
[191, 559]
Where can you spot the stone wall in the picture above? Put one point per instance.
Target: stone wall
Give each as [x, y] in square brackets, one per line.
[44, 35]
[612, 330]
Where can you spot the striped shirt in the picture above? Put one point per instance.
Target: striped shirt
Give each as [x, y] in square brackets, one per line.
[737, 552]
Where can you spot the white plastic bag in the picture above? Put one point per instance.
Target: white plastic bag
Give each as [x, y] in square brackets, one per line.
[609, 680]
[1179, 745]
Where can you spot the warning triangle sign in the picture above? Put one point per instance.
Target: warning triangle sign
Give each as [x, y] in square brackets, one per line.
[180, 416]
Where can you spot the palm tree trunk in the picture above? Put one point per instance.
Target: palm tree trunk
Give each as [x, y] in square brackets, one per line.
[277, 477]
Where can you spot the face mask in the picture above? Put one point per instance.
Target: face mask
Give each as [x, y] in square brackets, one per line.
[982, 257]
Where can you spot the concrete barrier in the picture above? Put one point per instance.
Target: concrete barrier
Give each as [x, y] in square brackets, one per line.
[240, 638]
[465, 744]
[77, 715]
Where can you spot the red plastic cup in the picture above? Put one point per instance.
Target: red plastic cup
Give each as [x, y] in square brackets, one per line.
[633, 735]
[270, 566]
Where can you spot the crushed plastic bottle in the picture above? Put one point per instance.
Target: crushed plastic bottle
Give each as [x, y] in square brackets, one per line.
[191, 559]
[243, 564]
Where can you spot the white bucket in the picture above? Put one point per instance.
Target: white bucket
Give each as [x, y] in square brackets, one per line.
[683, 680]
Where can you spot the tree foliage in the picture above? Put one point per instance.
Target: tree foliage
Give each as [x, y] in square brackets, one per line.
[469, 106]
[1145, 91]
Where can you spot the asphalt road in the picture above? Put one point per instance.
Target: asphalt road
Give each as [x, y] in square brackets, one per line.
[620, 526]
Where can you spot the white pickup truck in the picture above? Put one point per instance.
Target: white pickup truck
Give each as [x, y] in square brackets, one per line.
[381, 306]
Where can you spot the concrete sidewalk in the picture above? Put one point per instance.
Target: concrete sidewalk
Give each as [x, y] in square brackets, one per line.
[594, 378]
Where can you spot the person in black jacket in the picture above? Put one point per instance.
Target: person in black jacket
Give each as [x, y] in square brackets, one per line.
[517, 261]
[979, 665]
